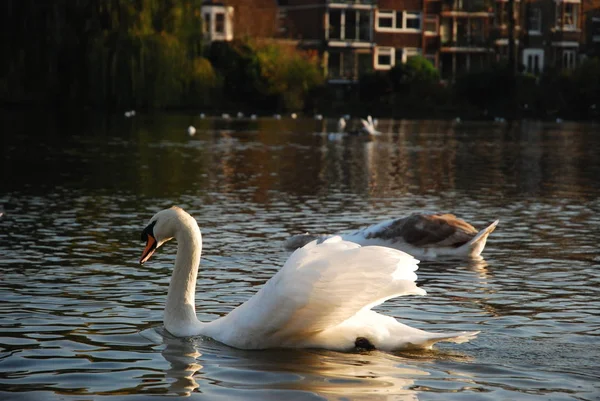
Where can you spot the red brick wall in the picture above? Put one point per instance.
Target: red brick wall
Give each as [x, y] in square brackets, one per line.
[398, 39]
[254, 18]
[400, 4]
[305, 23]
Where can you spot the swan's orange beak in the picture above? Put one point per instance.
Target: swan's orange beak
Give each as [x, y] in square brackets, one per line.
[149, 250]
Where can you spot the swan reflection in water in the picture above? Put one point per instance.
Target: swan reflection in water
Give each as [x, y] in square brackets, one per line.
[198, 364]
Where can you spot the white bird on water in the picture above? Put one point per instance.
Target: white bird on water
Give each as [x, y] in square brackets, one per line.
[369, 126]
[321, 298]
[341, 125]
[191, 130]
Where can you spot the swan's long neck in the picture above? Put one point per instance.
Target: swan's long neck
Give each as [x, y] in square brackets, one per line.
[180, 310]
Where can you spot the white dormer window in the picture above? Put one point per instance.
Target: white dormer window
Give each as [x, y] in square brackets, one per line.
[218, 22]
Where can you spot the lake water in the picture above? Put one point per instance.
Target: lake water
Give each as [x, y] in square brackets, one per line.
[80, 319]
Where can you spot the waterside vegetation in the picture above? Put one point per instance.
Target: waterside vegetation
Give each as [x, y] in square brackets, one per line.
[150, 55]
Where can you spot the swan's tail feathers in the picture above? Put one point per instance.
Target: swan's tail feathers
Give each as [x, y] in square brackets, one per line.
[456, 337]
[299, 240]
[477, 244]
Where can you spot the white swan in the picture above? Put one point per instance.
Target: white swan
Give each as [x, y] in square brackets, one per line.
[321, 298]
[369, 126]
[423, 235]
[191, 130]
[341, 125]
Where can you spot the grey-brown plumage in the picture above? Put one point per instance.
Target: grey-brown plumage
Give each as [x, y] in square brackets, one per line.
[422, 235]
[424, 230]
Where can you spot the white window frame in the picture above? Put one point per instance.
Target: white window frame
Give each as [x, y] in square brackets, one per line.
[387, 14]
[209, 17]
[387, 51]
[398, 26]
[570, 55]
[539, 53]
[408, 52]
[535, 30]
[411, 15]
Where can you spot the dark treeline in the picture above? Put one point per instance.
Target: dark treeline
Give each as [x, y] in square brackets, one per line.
[150, 54]
[144, 54]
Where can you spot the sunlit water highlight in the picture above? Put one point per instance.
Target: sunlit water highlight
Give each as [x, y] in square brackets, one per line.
[80, 318]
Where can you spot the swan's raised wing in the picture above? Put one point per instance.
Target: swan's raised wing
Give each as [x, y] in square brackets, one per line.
[322, 285]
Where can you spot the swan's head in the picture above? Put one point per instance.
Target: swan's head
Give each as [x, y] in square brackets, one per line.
[162, 227]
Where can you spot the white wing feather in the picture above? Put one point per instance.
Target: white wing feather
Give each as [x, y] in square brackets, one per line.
[323, 285]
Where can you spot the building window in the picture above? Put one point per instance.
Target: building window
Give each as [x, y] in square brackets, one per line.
[399, 56]
[349, 25]
[534, 60]
[384, 58]
[334, 65]
[411, 20]
[595, 29]
[389, 20]
[535, 21]
[567, 15]
[568, 59]
[404, 54]
[206, 27]
[385, 19]
[220, 23]
[431, 24]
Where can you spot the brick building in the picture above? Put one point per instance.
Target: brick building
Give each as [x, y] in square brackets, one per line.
[356, 36]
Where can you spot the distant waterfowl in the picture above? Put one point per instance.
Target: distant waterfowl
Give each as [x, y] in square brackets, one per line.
[130, 113]
[341, 125]
[424, 236]
[277, 116]
[294, 116]
[369, 126]
[253, 116]
[321, 298]
[191, 130]
[318, 116]
[225, 116]
[240, 114]
[202, 115]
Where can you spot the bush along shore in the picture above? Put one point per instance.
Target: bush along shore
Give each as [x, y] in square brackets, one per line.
[150, 55]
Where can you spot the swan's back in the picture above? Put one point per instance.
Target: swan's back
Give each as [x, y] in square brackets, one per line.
[319, 287]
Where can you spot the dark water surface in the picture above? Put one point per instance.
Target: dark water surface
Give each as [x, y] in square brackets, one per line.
[80, 319]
